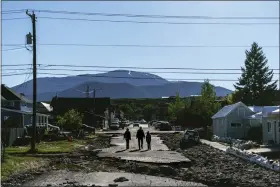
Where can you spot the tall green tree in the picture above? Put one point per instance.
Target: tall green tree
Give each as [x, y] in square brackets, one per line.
[175, 107]
[207, 102]
[255, 86]
[149, 111]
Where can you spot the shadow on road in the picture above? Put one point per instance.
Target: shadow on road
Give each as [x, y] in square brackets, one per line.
[144, 150]
[121, 151]
[134, 150]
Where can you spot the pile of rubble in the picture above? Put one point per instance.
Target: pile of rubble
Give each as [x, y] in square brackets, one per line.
[237, 143]
[255, 158]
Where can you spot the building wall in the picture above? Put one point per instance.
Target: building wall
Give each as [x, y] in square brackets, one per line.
[237, 117]
[272, 132]
[219, 127]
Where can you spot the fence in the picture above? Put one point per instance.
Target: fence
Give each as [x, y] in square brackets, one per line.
[9, 135]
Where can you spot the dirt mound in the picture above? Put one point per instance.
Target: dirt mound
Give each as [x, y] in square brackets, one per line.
[216, 168]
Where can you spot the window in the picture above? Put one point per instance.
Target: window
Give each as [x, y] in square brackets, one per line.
[279, 126]
[235, 125]
[11, 104]
[268, 127]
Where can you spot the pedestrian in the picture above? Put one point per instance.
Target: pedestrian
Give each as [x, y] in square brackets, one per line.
[148, 140]
[140, 135]
[127, 137]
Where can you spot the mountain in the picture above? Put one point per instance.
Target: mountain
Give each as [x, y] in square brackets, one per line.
[58, 84]
[114, 84]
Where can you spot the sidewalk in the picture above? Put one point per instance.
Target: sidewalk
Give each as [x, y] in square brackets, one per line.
[215, 145]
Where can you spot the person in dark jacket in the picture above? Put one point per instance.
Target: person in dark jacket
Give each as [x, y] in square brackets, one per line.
[148, 140]
[127, 137]
[140, 135]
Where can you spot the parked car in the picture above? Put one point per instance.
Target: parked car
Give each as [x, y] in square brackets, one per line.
[164, 126]
[136, 124]
[190, 137]
[114, 125]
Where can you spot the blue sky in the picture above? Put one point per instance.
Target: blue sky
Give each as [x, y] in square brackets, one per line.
[63, 31]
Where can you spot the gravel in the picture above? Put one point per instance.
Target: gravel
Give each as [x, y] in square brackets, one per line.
[216, 168]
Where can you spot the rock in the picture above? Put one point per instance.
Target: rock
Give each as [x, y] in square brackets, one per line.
[167, 170]
[121, 179]
[113, 185]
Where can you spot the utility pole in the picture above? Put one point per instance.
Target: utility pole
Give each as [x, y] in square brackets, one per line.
[34, 118]
[87, 92]
[94, 94]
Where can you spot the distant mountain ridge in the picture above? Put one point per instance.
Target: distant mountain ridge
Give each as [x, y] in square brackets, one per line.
[114, 84]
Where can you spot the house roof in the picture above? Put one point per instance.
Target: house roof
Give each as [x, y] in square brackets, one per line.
[47, 106]
[255, 116]
[276, 111]
[226, 110]
[256, 109]
[269, 109]
[9, 94]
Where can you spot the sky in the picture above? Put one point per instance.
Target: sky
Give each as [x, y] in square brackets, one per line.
[86, 32]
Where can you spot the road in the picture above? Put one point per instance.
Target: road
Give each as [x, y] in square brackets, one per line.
[159, 152]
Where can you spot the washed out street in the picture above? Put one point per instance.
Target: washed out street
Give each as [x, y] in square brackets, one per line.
[84, 81]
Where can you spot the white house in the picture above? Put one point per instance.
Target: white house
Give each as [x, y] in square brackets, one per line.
[229, 121]
[271, 125]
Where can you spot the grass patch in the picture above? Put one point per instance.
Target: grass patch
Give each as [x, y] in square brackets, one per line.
[15, 164]
[62, 146]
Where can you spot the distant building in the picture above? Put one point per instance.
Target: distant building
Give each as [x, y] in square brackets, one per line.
[87, 106]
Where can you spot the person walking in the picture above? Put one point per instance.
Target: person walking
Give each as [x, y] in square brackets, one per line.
[127, 137]
[148, 140]
[140, 135]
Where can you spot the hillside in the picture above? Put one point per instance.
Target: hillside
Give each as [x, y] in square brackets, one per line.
[115, 84]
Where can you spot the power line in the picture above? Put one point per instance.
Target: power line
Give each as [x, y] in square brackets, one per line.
[13, 49]
[126, 67]
[221, 73]
[155, 22]
[140, 45]
[9, 19]
[122, 77]
[145, 16]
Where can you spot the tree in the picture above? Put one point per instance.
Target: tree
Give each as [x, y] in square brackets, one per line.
[207, 102]
[71, 120]
[255, 86]
[175, 107]
[148, 112]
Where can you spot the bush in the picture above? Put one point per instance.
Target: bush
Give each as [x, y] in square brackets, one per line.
[71, 120]
[255, 134]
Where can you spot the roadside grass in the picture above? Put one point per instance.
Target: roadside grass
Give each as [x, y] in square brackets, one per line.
[14, 164]
[16, 161]
[62, 146]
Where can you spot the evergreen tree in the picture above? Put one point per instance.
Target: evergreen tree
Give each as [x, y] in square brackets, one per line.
[255, 86]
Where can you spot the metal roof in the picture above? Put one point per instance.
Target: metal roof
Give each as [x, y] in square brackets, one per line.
[226, 110]
[256, 109]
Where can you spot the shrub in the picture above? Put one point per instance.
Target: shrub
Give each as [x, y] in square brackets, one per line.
[71, 120]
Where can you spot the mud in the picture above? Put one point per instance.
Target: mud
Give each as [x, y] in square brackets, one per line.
[216, 168]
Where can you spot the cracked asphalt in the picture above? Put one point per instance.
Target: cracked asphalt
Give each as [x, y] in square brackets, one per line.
[159, 152]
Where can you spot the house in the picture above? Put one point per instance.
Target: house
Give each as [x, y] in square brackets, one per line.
[271, 125]
[93, 109]
[16, 113]
[17, 109]
[231, 121]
